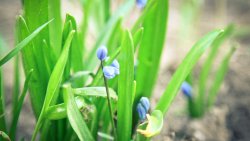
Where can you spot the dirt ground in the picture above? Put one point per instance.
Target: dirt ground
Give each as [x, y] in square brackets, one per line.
[229, 120]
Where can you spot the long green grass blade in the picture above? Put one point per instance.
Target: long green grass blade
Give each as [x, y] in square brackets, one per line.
[76, 52]
[54, 82]
[22, 44]
[55, 28]
[18, 107]
[2, 99]
[74, 116]
[151, 47]
[208, 65]
[16, 83]
[125, 88]
[219, 77]
[184, 69]
[59, 111]
[2, 104]
[105, 33]
[137, 37]
[37, 89]
[95, 91]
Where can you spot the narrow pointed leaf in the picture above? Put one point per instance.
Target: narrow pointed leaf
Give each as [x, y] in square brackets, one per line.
[125, 88]
[184, 69]
[151, 47]
[95, 91]
[74, 116]
[54, 83]
[17, 109]
[219, 77]
[22, 44]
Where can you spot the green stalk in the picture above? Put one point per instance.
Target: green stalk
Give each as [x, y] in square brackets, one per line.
[109, 104]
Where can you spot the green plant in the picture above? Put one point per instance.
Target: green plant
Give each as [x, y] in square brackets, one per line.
[69, 99]
[202, 98]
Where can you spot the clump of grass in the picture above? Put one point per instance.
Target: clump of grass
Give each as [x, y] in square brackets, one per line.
[200, 94]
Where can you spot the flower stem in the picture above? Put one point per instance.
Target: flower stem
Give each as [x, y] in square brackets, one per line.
[109, 104]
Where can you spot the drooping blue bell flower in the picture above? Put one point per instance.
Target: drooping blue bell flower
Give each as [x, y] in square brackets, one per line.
[141, 3]
[145, 103]
[143, 107]
[109, 72]
[186, 89]
[116, 66]
[101, 53]
[141, 111]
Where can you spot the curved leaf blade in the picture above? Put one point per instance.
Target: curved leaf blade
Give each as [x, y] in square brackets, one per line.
[23, 43]
[17, 109]
[184, 69]
[219, 77]
[54, 83]
[125, 88]
[95, 91]
[74, 116]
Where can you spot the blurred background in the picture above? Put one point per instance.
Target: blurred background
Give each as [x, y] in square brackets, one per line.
[188, 21]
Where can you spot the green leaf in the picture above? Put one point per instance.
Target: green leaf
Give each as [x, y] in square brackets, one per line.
[2, 104]
[18, 107]
[74, 116]
[54, 82]
[151, 48]
[137, 37]
[16, 87]
[22, 44]
[105, 136]
[36, 87]
[184, 69]
[5, 136]
[219, 77]
[76, 49]
[59, 111]
[154, 124]
[208, 65]
[95, 91]
[55, 28]
[125, 88]
[107, 29]
[79, 75]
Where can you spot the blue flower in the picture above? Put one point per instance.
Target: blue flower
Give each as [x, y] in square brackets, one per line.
[102, 53]
[143, 107]
[145, 103]
[116, 66]
[109, 72]
[141, 3]
[186, 89]
[141, 111]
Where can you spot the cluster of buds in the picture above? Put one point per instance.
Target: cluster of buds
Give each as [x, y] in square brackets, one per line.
[143, 108]
[108, 71]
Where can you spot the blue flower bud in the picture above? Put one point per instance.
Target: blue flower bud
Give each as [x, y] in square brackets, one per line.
[116, 66]
[141, 3]
[109, 72]
[186, 89]
[141, 111]
[145, 103]
[102, 53]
